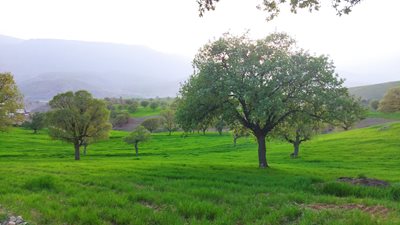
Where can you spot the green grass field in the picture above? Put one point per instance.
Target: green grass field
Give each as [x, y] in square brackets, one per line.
[142, 112]
[199, 180]
[375, 114]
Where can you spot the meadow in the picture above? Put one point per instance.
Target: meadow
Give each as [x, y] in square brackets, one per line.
[201, 179]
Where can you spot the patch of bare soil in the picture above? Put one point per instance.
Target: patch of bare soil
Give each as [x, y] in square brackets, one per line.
[364, 181]
[376, 210]
[372, 122]
[133, 123]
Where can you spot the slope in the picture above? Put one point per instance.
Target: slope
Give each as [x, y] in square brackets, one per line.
[375, 91]
[201, 180]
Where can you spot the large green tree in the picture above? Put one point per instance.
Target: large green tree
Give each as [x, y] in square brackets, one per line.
[391, 101]
[273, 7]
[78, 118]
[258, 83]
[11, 101]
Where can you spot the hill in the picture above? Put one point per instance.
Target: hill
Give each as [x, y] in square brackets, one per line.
[375, 91]
[105, 69]
[201, 180]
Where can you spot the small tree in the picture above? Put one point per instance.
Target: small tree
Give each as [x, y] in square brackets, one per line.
[76, 117]
[153, 105]
[219, 125]
[151, 124]
[119, 119]
[346, 111]
[374, 104]
[296, 130]
[238, 131]
[144, 103]
[85, 144]
[168, 120]
[391, 101]
[38, 121]
[140, 134]
[10, 102]
[133, 106]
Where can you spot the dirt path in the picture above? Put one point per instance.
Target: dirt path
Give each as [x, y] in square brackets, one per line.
[133, 123]
[372, 121]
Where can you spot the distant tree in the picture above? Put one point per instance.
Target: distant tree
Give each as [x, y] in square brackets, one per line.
[140, 134]
[133, 106]
[78, 117]
[129, 101]
[391, 101]
[374, 104]
[153, 105]
[144, 103]
[110, 106]
[11, 101]
[168, 120]
[346, 112]
[273, 7]
[38, 122]
[257, 83]
[296, 130]
[118, 119]
[220, 125]
[85, 144]
[151, 124]
[238, 131]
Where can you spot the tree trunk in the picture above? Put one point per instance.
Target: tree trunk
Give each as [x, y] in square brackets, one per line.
[234, 141]
[296, 147]
[262, 151]
[35, 131]
[77, 152]
[84, 149]
[137, 149]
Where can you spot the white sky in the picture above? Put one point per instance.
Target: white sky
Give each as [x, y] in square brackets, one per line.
[361, 43]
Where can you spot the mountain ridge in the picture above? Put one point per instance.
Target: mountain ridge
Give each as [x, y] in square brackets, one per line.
[105, 68]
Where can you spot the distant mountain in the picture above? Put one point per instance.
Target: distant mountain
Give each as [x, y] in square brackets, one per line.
[375, 91]
[45, 67]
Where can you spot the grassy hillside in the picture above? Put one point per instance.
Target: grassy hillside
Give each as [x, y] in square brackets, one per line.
[200, 180]
[375, 114]
[376, 91]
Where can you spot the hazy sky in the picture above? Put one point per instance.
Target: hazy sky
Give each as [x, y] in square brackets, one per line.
[364, 45]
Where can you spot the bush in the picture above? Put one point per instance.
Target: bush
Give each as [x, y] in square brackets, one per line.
[151, 124]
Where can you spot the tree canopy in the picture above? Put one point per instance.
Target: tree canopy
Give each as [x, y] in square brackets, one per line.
[78, 118]
[391, 101]
[273, 7]
[258, 83]
[11, 101]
